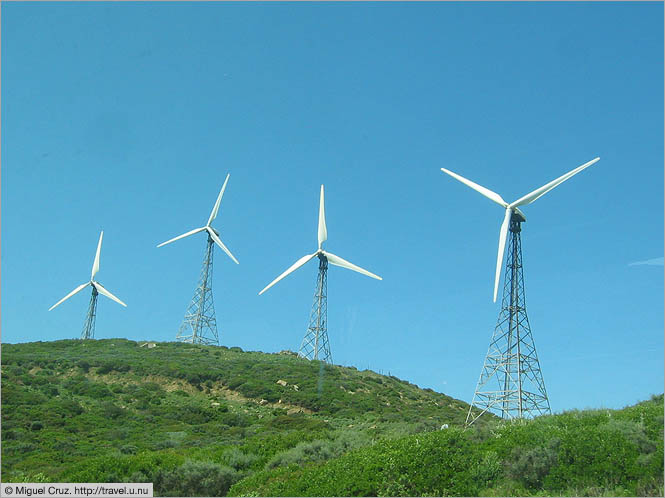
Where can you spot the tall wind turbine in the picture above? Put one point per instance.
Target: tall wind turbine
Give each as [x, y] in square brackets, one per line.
[200, 325]
[315, 345]
[89, 325]
[511, 383]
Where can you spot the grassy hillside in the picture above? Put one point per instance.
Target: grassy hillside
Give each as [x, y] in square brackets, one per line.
[207, 421]
[114, 410]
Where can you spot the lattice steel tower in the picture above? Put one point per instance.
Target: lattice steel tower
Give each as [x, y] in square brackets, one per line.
[89, 325]
[200, 325]
[511, 383]
[315, 345]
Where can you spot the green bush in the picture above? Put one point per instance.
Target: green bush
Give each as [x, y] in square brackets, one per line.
[238, 460]
[531, 465]
[487, 471]
[113, 365]
[111, 411]
[296, 422]
[194, 478]
[305, 452]
[319, 450]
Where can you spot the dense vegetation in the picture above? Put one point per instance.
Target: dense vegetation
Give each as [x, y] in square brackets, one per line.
[204, 420]
[589, 453]
[192, 419]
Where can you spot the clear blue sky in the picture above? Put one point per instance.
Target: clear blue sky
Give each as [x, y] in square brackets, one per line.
[127, 117]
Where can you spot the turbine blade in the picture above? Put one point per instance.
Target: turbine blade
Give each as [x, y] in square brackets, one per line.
[219, 242]
[529, 198]
[478, 188]
[95, 265]
[337, 261]
[78, 289]
[215, 209]
[502, 246]
[103, 291]
[291, 269]
[191, 232]
[323, 231]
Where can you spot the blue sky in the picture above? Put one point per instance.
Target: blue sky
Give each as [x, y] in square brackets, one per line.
[127, 117]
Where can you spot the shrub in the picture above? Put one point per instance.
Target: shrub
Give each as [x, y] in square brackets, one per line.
[238, 460]
[319, 450]
[19, 448]
[111, 411]
[488, 470]
[286, 422]
[69, 407]
[530, 466]
[195, 478]
[19, 476]
[8, 435]
[313, 451]
[110, 366]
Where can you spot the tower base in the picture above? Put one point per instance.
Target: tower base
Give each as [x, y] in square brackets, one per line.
[511, 383]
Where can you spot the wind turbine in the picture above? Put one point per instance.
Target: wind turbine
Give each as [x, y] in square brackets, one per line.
[89, 325]
[511, 361]
[200, 325]
[315, 343]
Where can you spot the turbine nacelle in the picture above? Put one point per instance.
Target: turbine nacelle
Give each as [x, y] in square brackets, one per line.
[514, 207]
[212, 233]
[520, 214]
[322, 236]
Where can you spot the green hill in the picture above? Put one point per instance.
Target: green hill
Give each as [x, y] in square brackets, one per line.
[206, 420]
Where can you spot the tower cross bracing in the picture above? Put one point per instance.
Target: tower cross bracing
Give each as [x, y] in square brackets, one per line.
[90, 319]
[511, 382]
[200, 324]
[315, 345]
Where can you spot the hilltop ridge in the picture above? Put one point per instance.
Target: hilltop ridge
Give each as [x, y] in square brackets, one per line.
[67, 401]
[207, 420]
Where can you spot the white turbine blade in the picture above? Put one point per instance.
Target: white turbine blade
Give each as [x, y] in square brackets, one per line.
[478, 188]
[502, 246]
[323, 231]
[529, 198]
[95, 265]
[191, 232]
[103, 291]
[219, 242]
[78, 289]
[215, 209]
[291, 269]
[337, 261]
